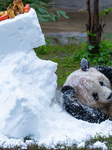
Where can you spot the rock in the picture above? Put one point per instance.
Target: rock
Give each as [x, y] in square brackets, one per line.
[65, 38]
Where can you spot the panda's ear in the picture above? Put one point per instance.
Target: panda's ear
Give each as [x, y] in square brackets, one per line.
[84, 64]
[106, 70]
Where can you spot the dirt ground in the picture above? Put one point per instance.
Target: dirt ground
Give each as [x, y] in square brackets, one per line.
[75, 23]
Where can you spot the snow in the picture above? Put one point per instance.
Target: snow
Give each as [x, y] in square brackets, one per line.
[99, 144]
[21, 33]
[81, 145]
[27, 92]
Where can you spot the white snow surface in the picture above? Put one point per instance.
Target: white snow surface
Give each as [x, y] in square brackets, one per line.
[99, 144]
[20, 33]
[27, 85]
[27, 92]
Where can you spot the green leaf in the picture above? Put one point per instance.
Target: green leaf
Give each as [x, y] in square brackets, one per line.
[41, 10]
[62, 13]
[90, 47]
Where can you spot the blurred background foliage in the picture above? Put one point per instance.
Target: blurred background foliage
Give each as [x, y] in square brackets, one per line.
[42, 8]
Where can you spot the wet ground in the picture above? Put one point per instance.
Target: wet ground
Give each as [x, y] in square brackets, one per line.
[75, 23]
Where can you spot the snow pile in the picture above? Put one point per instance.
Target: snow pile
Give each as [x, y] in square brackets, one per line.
[99, 144]
[21, 33]
[27, 90]
[27, 83]
[60, 127]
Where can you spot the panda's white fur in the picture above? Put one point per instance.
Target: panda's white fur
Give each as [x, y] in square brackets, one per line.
[88, 82]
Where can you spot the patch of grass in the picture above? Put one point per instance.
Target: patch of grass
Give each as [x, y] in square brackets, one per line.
[63, 55]
[36, 147]
[57, 147]
[103, 139]
[27, 138]
[15, 148]
[88, 144]
[104, 57]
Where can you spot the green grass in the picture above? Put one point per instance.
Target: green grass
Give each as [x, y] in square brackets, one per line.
[63, 56]
[103, 139]
[88, 143]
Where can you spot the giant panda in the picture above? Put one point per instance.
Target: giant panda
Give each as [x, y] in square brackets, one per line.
[87, 93]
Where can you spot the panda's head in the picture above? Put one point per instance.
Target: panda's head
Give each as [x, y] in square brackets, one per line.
[93, 87]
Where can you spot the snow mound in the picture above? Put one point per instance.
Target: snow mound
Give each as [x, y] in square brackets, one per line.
[20, 33]
[99, 144]
[27, 83]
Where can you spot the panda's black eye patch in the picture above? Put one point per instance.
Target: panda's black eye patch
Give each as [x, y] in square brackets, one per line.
[95, 95]
[102, 83]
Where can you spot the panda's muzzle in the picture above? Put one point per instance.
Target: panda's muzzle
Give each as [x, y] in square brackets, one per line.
[110, 96]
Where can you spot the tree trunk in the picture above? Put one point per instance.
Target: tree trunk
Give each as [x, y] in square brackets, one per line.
[94, 29]
[88, 26]
[96, 20]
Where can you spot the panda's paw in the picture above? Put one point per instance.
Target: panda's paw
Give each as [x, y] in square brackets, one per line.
[67, 88]
[93, 115]
[69, 94]
[78, 110]
[102, 117]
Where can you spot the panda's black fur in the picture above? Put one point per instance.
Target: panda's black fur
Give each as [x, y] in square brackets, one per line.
[107, 71]
[78, 110]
